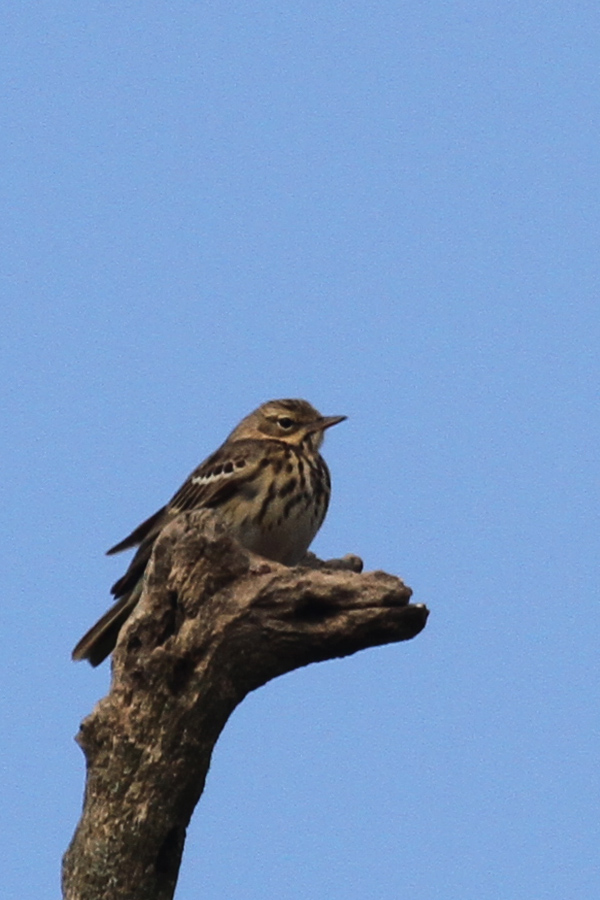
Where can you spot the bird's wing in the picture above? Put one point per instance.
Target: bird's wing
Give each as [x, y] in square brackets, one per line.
[206, 483]
[142, 531]
[214, 482]
[219, 477]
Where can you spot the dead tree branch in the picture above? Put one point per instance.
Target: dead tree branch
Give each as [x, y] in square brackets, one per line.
[214, 623]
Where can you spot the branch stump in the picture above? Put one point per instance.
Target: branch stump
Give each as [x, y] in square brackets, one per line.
[214, 623]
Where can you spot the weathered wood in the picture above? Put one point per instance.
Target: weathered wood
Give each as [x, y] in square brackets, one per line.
[213, 624]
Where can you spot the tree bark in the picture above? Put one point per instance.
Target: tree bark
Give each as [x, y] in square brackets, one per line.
[214, 623]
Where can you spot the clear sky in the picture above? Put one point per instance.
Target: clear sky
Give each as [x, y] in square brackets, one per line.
[390, 209]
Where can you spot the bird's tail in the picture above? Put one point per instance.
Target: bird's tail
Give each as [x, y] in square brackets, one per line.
[100, 640]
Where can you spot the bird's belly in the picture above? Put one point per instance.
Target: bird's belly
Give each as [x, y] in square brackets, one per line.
[285, 541]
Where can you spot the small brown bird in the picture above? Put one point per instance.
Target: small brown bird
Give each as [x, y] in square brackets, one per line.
[270, 485]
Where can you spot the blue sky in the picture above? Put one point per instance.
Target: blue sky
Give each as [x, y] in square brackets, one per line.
[389, 209]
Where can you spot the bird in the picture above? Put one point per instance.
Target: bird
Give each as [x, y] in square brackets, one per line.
[270, 485]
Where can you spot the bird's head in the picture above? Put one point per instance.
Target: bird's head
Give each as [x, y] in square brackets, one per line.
[290, 421]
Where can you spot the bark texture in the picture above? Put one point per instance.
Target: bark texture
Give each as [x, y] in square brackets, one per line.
[213, 624]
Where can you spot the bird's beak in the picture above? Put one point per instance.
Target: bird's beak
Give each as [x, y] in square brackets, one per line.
[325, 422]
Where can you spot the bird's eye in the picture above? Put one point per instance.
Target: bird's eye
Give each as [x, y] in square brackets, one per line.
[285, 422]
